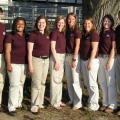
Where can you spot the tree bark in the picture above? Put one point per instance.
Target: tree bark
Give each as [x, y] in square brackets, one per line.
[98, 8]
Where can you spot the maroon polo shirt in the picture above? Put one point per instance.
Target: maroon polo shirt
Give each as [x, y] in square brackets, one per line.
[71, 36]
[106, 39]
[41, 44]
[86, 45]
[60, 39]
[2, 36]
[18, 48]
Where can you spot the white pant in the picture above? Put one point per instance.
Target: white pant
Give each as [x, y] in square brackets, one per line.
[117, 72]
[107, 83]
[73, 81]
[2, 75]
[16, 80]
[90, 78]
[56, 80]
[40, 71]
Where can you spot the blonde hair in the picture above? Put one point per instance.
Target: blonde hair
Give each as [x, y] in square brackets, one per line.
[58, 19]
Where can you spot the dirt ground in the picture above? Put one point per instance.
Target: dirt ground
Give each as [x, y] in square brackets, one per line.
[50, 113]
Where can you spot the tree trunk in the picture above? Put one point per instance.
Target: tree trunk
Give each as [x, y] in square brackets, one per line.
[98, 8]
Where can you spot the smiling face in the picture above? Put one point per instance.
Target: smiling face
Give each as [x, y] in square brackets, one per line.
[41, 25]
[107, 23]
[20, 26]
[61, 24]
[88, 25]
[71, 21]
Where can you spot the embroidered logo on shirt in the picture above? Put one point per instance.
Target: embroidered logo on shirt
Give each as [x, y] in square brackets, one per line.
[4, 33]
[107, 35]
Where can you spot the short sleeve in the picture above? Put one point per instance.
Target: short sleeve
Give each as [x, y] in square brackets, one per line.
[95, 37]
[32, 37]
[113, 36]
[8, 38]
[77, 34]
[53, 36]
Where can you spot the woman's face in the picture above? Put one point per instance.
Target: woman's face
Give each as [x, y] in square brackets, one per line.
[71, 21]
[20, 26]
[88, 25]
[107, 23]
[41, 24]
[61, 24]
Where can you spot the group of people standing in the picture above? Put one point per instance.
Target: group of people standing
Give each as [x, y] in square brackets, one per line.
[64, 49]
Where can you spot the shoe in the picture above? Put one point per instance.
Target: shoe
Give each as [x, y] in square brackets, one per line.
[42, 107]
[75, 108]
[69, 103]
[58, 107]
[118, 113]
[103, 108]
[62, 104]
[12, 113]
[34, 110]
[109, 110]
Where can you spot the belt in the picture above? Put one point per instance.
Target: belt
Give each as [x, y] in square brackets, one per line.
[103, 55]
[44, 57]
[69, 54]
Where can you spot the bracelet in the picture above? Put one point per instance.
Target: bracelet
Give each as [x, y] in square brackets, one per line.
[73, 59]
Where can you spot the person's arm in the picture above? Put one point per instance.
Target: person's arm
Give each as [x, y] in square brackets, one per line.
[111, 56]
[8, 56]
[77, 46]
[53, 46]
[93, 54]
[30, 49]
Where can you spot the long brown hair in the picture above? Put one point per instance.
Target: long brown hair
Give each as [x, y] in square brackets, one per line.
[58, 19]
[76, 21]
[92, 21]
[46, 32]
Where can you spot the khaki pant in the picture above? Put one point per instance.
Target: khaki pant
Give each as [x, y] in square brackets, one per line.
[107, 83]
[40, 71]
[73, 81]
[90, 78]
[117, 72]
[2, 75]
[16, 80]
[56, 80]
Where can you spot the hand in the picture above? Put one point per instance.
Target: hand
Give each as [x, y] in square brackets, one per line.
[30, 69]
[74, 64]
[9, 68]
[108, 65]
[57, 66]
[89, 65]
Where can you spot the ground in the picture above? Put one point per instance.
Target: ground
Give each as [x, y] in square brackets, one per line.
[51, 113]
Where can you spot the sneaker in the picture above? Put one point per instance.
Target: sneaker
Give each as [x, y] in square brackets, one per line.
[109, 110]
[75, 108]
[118, 113]
[103, 108]
[62, 104]
[34, 110]
[12, 113]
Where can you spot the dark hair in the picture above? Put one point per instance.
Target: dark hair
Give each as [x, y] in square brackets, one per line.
[1, 10]
[46, 32]
[14, 30]
[119, 14]
[92, 21]
[110, 18]
[76, 22]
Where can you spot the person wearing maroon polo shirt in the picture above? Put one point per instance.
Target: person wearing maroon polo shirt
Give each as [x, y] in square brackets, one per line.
[106, 75]
[38, 59]
[90, 62]
[72, 62]
[2, 61]
[58, 49]
[16, 60]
